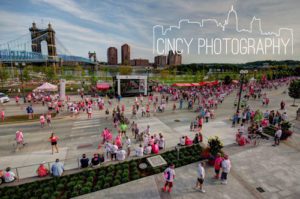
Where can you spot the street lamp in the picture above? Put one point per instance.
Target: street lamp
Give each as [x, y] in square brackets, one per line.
[243, 73]
[22, 81]
[148, 70]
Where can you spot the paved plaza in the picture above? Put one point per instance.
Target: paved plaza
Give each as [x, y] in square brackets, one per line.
[275, 170]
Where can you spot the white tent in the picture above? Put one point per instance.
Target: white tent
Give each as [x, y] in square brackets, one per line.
[46, 87]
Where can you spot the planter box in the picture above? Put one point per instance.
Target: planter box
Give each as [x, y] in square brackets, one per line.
[101, 178]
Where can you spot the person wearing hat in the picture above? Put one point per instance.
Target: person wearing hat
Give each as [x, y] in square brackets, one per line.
[226, 166]
[42, 171]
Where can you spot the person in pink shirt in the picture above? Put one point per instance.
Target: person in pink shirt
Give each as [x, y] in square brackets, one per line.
[19, 139]
[188, 141]
[42, 121]
[155, 148]
[118, 141]
[217, 165]
[17, 99]
[2, 115]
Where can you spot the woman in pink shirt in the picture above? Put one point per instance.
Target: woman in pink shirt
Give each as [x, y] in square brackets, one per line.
[42, 121]
[2, 115]
[217, 165]
[19, 139]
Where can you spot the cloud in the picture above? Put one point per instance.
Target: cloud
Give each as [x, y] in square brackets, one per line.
[95, 25]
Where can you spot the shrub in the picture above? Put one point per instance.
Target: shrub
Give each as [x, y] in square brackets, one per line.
[135, 177]
[89, 184]
[56, 194]
[60, 187]
[125, 166]
[106, 185]
[38, 192]
[45, 196]
[118, 167]
[74, 194]
[47, 190]
[108, 179]
[133, 164]
[111, 168]
[97, 187]
[125, 179]
[116, 182]
[215, 145]
[71, 184]
[85, 190]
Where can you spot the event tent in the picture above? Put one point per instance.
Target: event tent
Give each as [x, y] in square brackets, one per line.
[46, 87]
[103, 86]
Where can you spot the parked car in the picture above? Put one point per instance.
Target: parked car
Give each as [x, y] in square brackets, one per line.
[3, 98]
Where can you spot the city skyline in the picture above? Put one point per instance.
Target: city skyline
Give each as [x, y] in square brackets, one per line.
[85, 26]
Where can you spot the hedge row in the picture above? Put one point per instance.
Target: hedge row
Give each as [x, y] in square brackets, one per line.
[96, 179]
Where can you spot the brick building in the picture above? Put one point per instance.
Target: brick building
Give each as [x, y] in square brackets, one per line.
[125, 50]
[160, 60]
[112, 56]
[174, 59]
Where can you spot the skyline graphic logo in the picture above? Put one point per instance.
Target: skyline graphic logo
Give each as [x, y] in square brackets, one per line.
[192, 37]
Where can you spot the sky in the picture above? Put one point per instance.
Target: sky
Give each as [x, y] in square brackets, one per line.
[90, 25]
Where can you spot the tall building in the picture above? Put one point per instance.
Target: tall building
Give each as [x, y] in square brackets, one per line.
[125, 49]
[160, 60]
[112, 56]
[174, 59]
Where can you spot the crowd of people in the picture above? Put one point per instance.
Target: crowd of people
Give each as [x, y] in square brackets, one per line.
[202, 100]
[253, 121]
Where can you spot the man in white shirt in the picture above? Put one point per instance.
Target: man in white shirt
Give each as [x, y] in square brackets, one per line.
[226, 166]
[139, 151]
[201, 176]
[277, 136]
[169, 175]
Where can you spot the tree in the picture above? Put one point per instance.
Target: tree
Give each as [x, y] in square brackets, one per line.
[198, 76]
[227, 80]
[294, 90]
[164, 74]
[125, 70]
[3, 75]
[78, 70]
[50, 73]
[26, 73]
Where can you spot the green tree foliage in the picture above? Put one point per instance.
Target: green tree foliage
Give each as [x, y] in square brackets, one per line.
[3, 75]
[50, 73]
[227, 80]
[26, 74]
[125, 70]
[164, 74]
[294, 90]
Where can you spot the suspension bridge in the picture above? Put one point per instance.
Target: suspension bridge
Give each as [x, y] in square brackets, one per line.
[29, 48]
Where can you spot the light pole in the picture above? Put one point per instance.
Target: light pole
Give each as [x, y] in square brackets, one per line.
[22, 81]
[148, 70]
[242, 77]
